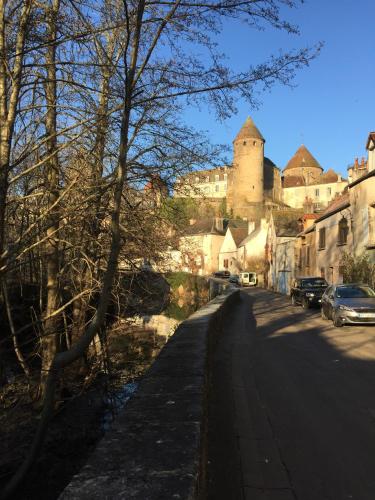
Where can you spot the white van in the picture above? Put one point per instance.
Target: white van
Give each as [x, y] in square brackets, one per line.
[248, 278]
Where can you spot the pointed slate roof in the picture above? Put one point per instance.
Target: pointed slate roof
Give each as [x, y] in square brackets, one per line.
[249, 131]
[302, 158]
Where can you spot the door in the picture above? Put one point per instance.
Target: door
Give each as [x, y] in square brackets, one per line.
[283, 282]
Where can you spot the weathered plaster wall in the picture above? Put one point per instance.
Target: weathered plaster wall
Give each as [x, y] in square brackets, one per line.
[328, 259]
[362, 206]
[296, 196]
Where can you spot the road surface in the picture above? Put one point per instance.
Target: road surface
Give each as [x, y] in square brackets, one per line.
[292, 407]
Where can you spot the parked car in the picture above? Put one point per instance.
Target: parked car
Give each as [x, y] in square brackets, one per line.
[235, 279]
[349, 304]
[308, 291]
[222, 274]
[248, 278]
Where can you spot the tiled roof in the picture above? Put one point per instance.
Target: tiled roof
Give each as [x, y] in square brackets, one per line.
[309, 216]
[269, 163]
[249, 130]
[250, 236]
[293, 181]
[302, 158]
[337, 204]
[238, 224]
[329, 176]
[239, 234]
[203, 226]
[298, 180]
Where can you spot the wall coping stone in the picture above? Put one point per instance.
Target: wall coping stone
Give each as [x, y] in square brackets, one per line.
[154, 449]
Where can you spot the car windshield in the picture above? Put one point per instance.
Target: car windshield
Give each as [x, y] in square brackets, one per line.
[313, 282]
[351, 292]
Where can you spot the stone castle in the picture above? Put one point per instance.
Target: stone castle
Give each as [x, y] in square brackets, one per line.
[253, 185]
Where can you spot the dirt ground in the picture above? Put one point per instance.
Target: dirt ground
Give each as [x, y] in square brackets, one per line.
[81, 417]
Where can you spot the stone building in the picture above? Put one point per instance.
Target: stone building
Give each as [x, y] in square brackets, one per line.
[255, 181]
[304, 180]
[253, 185]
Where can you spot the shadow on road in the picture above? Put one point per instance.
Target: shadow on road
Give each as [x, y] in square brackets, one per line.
[292, 405]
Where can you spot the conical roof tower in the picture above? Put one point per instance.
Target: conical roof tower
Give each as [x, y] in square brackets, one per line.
[249, 131]
[245, 194]
[302, 159]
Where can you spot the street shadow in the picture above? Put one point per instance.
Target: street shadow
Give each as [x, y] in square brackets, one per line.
[313, 390]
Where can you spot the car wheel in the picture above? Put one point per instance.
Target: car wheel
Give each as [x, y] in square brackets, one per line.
[337, 321]
[294, 302]
[305, 303]
[323, 314]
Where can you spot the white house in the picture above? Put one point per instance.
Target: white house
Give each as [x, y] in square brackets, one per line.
[228, 259]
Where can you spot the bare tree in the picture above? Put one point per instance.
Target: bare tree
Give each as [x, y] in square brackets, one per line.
[124, 127]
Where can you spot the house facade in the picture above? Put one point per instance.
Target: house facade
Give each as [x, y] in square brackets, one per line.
[200, 246]
[281, 250]
[333, 237]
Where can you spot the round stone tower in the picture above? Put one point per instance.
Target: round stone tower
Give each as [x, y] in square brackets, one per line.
[245, 193]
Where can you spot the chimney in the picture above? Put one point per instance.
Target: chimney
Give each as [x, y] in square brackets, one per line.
[371, 155]
[250, 226]
[219, 226]
[356, 164]
[362, 162]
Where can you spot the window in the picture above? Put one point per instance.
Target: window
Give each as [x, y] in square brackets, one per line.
[316, 193]
[322, 272]
[197, 179]
[225, 176]
[343, 232]
[217, 188]
[322, 238]
[217, 177]
[307, 256]
[207, 178]
[329, 191]
[244, 143]
[226, 263]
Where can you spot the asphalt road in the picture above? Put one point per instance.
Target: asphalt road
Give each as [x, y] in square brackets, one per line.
[292, 406]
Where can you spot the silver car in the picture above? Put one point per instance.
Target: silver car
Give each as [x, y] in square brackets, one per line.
[350, 304]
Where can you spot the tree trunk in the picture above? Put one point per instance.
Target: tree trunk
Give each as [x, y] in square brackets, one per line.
[49, 341]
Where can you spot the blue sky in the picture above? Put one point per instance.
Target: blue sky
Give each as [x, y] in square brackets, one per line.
[332, 107]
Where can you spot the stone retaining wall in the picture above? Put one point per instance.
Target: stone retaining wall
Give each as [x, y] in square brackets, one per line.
[156, 448]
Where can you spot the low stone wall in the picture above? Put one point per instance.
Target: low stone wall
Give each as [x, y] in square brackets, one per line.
[156, 448]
